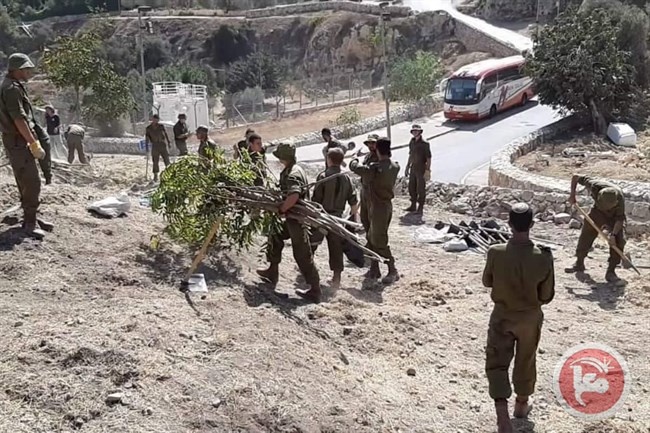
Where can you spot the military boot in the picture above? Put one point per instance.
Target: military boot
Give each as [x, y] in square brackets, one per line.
[393, 275]
[31, 230]
[271, 274]
[336, 280]
[610, 275]
[155, 177]
[420, 209]
[374, 272]
[522, 407]
[312, 295]
[411, 208]
[503, 417]
[45, 225]
[578, 266]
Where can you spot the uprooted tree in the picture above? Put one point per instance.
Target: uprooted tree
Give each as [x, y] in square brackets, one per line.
[196, 192]
[578, 66]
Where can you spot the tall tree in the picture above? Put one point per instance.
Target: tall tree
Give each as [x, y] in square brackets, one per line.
[74, 63]
[109, 100]
[579, 67]
[414, 78]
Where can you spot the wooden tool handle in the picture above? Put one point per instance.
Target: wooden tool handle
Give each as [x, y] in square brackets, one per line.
[204, 249]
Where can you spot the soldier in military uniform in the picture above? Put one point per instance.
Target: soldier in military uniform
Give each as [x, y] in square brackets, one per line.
[181, 134]
[205, 142]
[331, 143]
[74, 136]
[242, 145]
[334, 195]
[380, 177]
[21, 141]
[370, 158]
[609, 214]
[159, 140]
[522, 279]
[292, 183]
[257, 154]
[418, 169]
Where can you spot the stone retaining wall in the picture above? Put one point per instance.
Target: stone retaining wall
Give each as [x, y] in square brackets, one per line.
[427, 107]
[503, 173]
[337, 6]
[476, 40]
[110, 145]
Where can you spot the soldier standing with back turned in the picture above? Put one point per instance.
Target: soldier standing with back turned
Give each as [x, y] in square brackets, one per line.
[522, 279]
[21, 142]
[380, 177]
[418, 169]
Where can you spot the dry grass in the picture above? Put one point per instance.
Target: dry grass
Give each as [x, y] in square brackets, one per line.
[93, 310]
[606, 160]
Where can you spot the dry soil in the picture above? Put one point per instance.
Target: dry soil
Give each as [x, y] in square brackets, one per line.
[94, 310]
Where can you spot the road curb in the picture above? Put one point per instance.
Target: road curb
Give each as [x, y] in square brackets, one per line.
[463, 180]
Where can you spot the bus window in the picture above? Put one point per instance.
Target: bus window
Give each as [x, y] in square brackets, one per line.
[461, 91]
[489, 84]
[510, 74]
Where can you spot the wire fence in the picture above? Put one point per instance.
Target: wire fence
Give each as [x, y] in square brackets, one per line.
[297, 96]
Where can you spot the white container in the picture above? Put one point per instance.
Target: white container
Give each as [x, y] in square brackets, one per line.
[622, 134]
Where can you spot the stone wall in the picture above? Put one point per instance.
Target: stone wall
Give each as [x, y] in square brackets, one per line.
[337, 6]
[503, 173]
[427, 107]
[110, 145]
[476, 40]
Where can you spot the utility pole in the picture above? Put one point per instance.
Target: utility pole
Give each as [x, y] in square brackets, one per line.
[142, 10]
[537, 21]
[383, 17]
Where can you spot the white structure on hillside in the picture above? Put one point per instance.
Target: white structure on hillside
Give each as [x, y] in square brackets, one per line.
[171, 99]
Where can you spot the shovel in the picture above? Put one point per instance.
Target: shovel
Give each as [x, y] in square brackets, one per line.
[604, 237]
[196, 282]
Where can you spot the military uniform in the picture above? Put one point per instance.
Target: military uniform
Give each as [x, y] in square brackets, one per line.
[181, 132]
[258, 159]
[74, 135]
[14, 105]
[204, 145]
[602, 215]
[333, 196]
[380, 178]
[157, 136]
[370, 158]
[522, 279]
[419, 153]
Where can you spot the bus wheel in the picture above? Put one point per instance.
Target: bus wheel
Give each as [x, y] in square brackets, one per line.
[524, 99]
[493, 111]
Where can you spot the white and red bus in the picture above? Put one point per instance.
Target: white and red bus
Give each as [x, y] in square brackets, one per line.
[486, 88]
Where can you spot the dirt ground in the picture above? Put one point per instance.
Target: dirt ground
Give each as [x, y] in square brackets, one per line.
[602, 158]
[94, 310]
[291, 126]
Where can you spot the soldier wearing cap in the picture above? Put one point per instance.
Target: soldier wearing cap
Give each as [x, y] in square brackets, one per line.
[292, 183]
[334, 195]
[22, 141]
[609, 214]
[181, 134]
[370, 158]
[206, 144]
[159, 140]
[418, 169]
[522, 278]
[380, 177]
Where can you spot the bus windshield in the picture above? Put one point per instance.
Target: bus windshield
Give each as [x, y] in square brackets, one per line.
[461, 91]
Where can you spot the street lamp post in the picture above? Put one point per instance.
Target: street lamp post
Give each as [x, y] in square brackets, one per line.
[383, 17]
[142, 10]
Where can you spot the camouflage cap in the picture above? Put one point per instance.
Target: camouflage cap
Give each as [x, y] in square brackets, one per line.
[372, 138]
[607, 198]
[202, 128]
[285, 151]
[18, 61]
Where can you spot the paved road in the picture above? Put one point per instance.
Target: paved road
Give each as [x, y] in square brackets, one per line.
[458, 148]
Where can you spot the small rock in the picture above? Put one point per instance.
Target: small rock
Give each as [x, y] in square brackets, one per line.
[541, 351]
[344, 358]
[114, 398]
[18, 324]
[410, 372]
[78, 422]
[469, 292]
[216, 403]
[147, 412]
[80, 321]
[562, 218]
[575, 224]
[347, 330]
[185, 335]
[441, 407]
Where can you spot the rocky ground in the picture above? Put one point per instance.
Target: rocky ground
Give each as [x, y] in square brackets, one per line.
[586, 153]
[97, 338]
